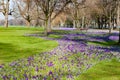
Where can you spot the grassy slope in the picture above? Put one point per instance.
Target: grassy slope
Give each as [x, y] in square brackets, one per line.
[14, 45]
[105, 70]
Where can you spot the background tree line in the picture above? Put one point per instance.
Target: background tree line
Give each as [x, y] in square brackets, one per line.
[102, 14]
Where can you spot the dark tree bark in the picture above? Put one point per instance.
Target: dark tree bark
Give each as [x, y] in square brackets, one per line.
[118, 18]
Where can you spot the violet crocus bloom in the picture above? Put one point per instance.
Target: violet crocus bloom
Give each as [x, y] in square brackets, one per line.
[26, 79]
[50, 64]
[25, 75]
[14, 78]
[114, 38]
[44, 78]
[50, 73]
[30, 59]
[69, 76]
[13, 64]
[1, 66]
[34, 77]
[4, 77]
[37, 69]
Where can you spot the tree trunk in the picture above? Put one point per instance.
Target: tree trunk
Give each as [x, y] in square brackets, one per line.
[6, 14]
[37, 22]
[27, 23]
[83, 22]
[74, 24]
[110, 27]
[119, 37]
[99, 23]
[49, 25]
[78, 24]
[46, 27]
[6, 20]
[118, 18]
[110, 21]
[102, 23]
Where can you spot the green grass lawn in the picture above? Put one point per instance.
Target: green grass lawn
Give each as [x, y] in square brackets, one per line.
[105, 70]
[14, 44]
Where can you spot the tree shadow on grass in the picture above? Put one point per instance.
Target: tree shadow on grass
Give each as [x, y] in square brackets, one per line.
[106, 42]
[100, 39]
[105, 39]
[6, 52]
[110, 43]
[9, 52]
[103, 71]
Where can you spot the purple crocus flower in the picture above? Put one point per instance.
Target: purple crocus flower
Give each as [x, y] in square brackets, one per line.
[114, 38]
[50, 73]
[13, 64]
[4, 77]
[50, 64]
[27, 78]
[55, 78]
[14, 78]
[1, 66]
[30, 58]
[44, 78]
[34, 77]
[107, 50]
[25, 75]
[37, 69]
[69, 76]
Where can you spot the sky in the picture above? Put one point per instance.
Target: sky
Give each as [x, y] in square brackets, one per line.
[1, 16]
[10, 17]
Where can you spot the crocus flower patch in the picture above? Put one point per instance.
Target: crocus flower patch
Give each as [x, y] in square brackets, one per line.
[71, 58]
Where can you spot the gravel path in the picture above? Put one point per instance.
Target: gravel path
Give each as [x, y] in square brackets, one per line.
[89, 30]
[105, 31]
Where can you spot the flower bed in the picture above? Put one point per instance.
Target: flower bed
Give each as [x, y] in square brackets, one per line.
[71, 58]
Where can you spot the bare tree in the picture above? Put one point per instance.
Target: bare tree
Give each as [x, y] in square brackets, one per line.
[107, 18]
[118, 17]
[75, 10]
[82, 12]
[26, 10]
[4, 8]
[47, 8]
[59, 20]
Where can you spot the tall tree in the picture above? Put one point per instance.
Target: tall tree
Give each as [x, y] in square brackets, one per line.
[82, 12]
[75, 10]
[108, 8]
[26, 10]
[118, 17]
[5, 10]
[47, 8]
